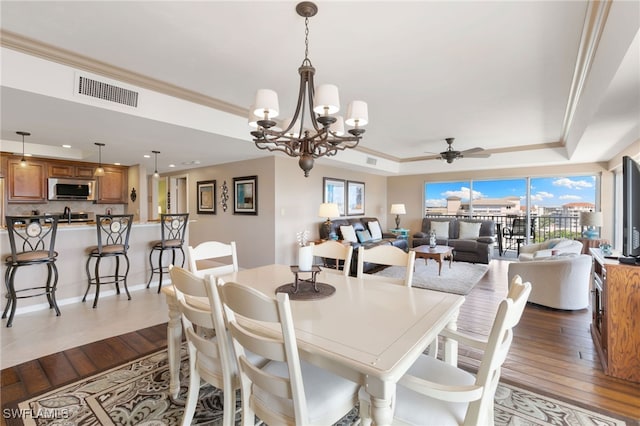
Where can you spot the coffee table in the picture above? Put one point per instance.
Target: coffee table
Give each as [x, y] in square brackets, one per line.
[437, 253]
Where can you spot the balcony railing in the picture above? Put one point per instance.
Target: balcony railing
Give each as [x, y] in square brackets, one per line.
[542, 227]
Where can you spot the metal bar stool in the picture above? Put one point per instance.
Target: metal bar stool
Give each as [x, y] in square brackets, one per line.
[113, 241]
[32, 240]
[173, 228]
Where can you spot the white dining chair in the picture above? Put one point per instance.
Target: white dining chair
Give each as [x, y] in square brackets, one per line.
[387, 255]
[213, 257]
[286, 391]
[334, 254]
[210, 356]
[436, 393]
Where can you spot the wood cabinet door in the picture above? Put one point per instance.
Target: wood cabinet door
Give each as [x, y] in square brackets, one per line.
[27, 184]
[84, 172]
[61, 170]
[112, 187]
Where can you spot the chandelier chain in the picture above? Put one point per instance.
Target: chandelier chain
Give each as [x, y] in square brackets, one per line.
[306, 39]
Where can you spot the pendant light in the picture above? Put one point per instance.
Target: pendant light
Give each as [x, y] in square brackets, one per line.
[156, 175]
[23, 162]
[99, 170]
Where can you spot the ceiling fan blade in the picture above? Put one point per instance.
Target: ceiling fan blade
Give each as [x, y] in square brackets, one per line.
[477, 155]
[472, 151]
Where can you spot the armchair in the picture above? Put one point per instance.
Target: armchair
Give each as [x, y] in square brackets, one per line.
[560, 282]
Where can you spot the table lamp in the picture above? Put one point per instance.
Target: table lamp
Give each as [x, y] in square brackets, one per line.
[398, 209]
[330, 211]
[592, 220]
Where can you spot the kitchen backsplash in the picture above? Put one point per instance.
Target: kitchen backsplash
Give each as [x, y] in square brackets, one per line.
[58, 207]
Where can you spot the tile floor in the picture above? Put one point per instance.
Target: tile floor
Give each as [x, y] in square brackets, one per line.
[40, 333]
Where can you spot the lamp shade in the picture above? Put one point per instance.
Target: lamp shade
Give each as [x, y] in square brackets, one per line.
[266, 103]
[591, 218]
[338, 126]
[329, 210]
[326, 100]
[398, 209]
[357, 113]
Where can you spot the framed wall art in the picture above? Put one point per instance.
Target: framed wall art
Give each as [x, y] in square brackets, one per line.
[245, 195]
[334, 192]
[355, 198]
[207, 197]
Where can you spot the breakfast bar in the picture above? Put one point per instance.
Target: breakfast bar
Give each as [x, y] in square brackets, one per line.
[72, 242]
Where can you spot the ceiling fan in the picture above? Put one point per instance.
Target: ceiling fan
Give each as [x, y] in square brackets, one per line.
[451, 154]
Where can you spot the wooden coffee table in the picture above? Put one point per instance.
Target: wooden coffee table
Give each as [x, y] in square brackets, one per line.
[437, 253]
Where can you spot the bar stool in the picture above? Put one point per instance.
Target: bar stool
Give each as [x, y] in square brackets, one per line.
[32, 240]
[113, 241]
[173, 228]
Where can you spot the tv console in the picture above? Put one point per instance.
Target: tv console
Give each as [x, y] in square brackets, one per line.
[615, 311]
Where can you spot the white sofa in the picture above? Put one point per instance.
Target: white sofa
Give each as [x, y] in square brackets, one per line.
[544, 249]
[560, 282]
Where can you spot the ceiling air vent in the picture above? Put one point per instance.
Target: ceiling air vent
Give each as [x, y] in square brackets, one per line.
[372, 161]
[107, 92]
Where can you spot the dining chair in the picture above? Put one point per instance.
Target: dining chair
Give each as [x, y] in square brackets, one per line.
[433, 392]
[387, 255]
[213, 257]
[210, 354]
[334, 254]
[32, 241]
[173, 228]
[113, 233]
[285, 391]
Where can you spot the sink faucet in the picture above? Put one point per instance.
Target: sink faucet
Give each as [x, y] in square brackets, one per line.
[67, 214]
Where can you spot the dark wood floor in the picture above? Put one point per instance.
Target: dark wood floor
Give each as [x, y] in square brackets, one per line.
[552, 354]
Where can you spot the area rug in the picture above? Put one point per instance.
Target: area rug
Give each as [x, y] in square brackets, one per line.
[460, 279]
[136, 393]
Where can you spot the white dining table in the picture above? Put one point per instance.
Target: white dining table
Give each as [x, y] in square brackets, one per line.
[368, 331]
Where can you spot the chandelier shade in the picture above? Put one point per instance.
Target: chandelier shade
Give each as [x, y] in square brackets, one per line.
[323, 133]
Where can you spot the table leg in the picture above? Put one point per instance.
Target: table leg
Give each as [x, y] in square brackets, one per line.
[382, 395]
[451, 345]
[174, 337]
[439, 260]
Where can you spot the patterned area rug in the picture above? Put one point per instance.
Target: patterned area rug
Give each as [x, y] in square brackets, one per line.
[460, 279]
[136, 393]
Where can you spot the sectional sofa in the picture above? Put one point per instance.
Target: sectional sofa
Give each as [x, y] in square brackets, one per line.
[362, 235]
[471, 239]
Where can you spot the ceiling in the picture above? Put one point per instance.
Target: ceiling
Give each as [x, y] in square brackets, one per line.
[534, 83]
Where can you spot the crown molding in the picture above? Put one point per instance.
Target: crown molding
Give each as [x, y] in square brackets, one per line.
[48, 52]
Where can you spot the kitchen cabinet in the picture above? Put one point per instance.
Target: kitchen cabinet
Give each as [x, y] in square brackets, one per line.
[62, 170]
[26, 184]
[615, 309]
[112, 187]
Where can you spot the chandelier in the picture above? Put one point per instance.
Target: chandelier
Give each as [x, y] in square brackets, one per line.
[325, 135]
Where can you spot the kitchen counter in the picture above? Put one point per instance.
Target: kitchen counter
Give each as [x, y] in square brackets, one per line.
[72, 241]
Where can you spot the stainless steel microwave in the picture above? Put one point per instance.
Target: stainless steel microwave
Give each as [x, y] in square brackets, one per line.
[71, 189]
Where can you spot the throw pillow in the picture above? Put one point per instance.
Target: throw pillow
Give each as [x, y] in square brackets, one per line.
[363, 236]
[376, 232]
[469, 230]
[348, 234]
[440, 228]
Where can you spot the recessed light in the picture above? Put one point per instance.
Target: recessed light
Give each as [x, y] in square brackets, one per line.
[146, 156]
[172, 165]
[116, 164]
[66, 146]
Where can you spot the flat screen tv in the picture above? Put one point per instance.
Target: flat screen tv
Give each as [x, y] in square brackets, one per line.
[631, 208]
